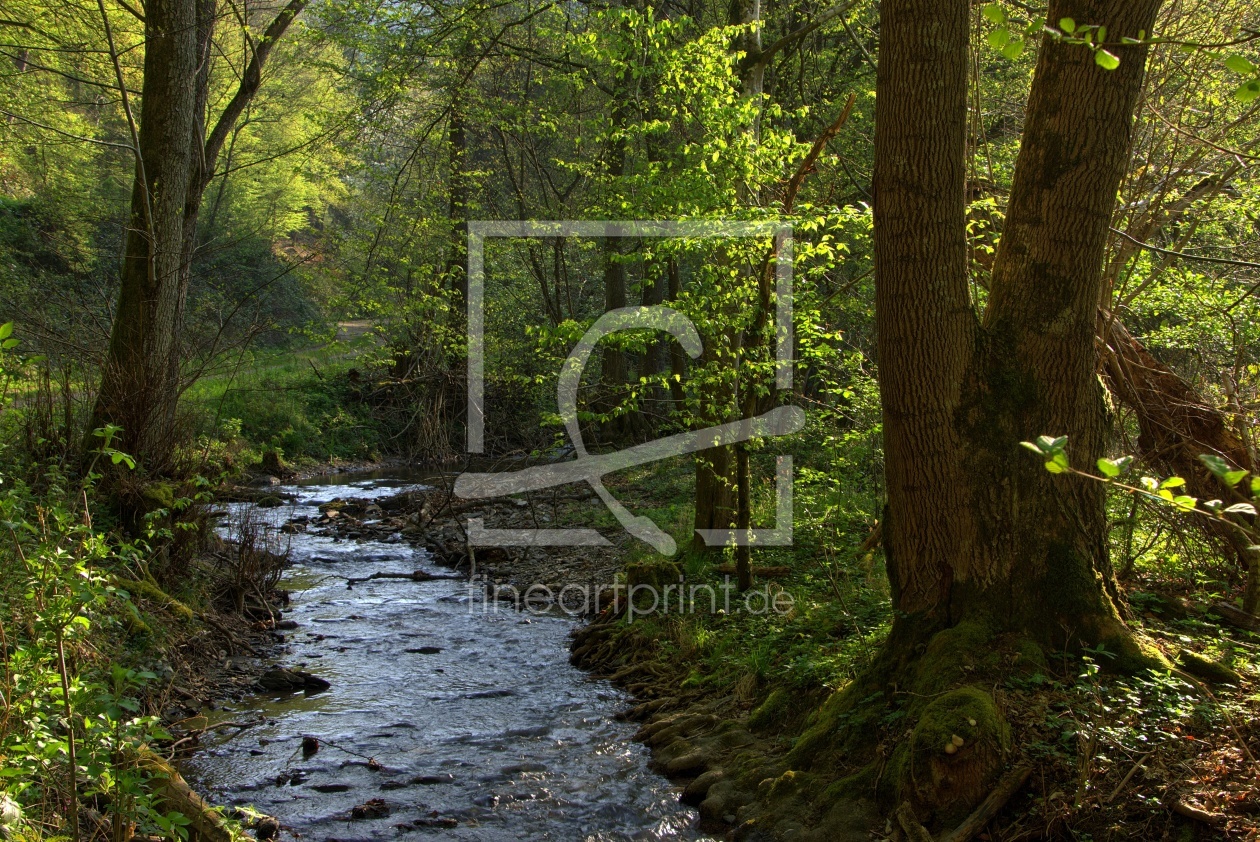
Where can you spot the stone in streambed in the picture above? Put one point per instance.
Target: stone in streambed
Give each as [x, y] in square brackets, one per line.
[281, 680]
[433, 780]
[266, 828]
[375, 808]
[691, 763]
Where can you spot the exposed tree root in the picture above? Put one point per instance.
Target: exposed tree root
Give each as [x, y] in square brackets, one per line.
[991, 806]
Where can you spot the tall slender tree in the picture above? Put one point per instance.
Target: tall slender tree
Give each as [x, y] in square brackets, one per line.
[176, 161]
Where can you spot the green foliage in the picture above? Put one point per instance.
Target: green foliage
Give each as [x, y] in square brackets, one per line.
[71, 715]
[299, 403]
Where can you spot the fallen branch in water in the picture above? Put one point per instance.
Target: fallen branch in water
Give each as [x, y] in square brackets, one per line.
[415, 576]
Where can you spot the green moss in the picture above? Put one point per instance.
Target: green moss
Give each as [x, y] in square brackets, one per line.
[159, 495]
[771, 711]
[967, 712]
[1029, 655]
[821, 730]
[655, 573]
[1211, 671]
[153, 593]
[1132, 654]
[948, 655]
[954, 750]
[856, 785]
[788, 784]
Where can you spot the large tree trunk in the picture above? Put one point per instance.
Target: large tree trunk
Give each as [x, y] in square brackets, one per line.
[982, 543]
[139, 385]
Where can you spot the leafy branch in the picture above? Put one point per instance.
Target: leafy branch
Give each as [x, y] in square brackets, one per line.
[1053, 450]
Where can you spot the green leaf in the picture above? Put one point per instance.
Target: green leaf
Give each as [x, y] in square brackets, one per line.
[1033, 447]
[1215, 464]
[1255, 485]
[8, 343]
[1172, 482]
[1234, 477]
[1049, 444]
[1185, 503]
[1248, 91]
[1067, 25]
[994, 13]
[1013, 50]
[1106, 60]
[1108, 468]
[999, 38]
[1240, 65]
[1241, 509]
[6, 330]
[1054, 467]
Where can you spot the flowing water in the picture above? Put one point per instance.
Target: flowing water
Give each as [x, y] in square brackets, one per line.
[465, 719]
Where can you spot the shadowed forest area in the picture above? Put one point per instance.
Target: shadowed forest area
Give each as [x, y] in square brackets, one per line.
[919, 344]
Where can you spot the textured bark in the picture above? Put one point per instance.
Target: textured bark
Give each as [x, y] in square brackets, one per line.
[614, 370]
[138, 389]
[456, 271]
[715, 492]
[923, 313]
[140, 381]
[982, 543]
[974, 528]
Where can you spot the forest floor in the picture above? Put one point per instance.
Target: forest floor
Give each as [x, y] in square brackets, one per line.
[733, 689]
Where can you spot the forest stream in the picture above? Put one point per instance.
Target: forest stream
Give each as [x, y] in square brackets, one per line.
[445, 715]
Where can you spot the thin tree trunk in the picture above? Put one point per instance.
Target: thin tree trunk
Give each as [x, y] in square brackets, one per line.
[677, 357]
[717, 469]
[1176, 425]
[456, 271]
[140, 382]
[137, 392]
[614, 368]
